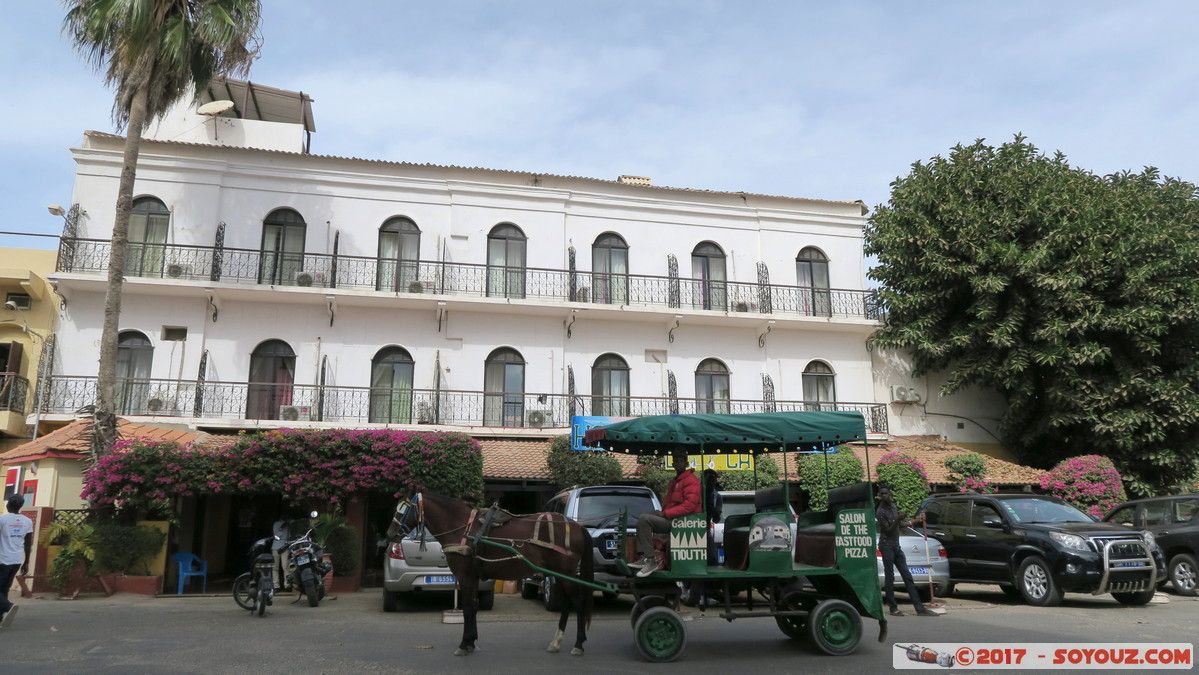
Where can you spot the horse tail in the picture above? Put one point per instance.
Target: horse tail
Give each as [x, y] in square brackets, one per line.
[587, 573]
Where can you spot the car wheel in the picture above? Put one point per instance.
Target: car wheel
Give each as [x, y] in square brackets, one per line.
[1182, 573]
[1136, 598]
[391, 601]
[528, 590]
[487, 600]
[552, 594]
[1036, 583]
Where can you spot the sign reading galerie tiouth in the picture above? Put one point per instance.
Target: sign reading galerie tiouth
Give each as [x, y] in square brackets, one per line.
[580, 424]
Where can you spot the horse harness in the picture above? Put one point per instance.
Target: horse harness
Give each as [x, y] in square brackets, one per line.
[544, 533]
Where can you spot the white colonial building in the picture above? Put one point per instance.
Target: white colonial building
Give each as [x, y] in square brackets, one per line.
[268, 286]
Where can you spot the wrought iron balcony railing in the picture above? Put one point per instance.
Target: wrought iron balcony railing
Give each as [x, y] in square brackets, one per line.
[14, 393]
[245, 266]
[369, 405]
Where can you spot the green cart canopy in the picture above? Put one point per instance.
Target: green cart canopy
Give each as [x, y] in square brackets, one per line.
[715, 434]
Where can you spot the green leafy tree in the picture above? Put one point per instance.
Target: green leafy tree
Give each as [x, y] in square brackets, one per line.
[767, 474]
[907, 479]
[153, 52]
[1073, 295]
[569, 467]
[820, 472]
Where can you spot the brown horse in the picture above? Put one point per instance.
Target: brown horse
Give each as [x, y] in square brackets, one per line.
[467, 535]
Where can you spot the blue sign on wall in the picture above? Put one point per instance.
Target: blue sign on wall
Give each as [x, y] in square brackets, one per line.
[580, 424]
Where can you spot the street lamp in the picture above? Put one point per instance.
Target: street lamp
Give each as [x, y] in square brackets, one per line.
[56, 210]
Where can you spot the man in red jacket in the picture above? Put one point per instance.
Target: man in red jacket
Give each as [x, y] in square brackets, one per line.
[682, 498]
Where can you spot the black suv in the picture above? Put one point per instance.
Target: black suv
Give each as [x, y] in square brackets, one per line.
[597, 508]
[1036, 547]
[1174, 521]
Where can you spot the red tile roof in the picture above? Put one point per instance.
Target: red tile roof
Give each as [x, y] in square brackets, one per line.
[73, 439]
[511, 459]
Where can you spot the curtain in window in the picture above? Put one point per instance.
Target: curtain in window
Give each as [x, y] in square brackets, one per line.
[708, 272]
[399, 256]
[712, 387]
[506, 262]
[272, 376]
[819, 387]
[391, 387]
[504, 386]
[610, 386]
[282, 257]
[149, 221]
[135, 355]
[812, 274]
[610, 270]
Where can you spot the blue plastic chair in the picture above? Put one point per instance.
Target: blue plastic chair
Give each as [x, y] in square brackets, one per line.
[191, 566]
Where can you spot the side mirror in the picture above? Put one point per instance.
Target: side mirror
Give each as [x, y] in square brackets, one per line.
[993, 524]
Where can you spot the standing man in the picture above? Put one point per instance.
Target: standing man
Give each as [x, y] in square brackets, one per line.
[279, 551]
[888, 518]
[682, 498]
[16, 545]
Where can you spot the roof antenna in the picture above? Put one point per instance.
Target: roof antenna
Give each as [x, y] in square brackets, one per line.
[212, 109]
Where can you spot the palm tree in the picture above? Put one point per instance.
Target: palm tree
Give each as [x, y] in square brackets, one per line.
[152, 52]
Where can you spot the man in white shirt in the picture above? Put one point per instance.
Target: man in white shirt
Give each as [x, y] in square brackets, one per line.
[16, 544]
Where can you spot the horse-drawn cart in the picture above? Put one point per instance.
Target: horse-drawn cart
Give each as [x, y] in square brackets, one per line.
[815, 581]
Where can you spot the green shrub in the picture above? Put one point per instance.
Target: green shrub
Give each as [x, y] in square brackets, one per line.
[78, 543]
[767, 475]
[906, 478]
[969, 471]
[126, 549]
[342, 545]
[844, 468]
[569, 468]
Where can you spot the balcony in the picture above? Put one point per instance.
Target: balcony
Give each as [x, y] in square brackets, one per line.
[264, 268]
[14, 404]
[283, 404]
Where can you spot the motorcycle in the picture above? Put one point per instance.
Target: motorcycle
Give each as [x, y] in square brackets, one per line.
[254, 590]
[306, 567]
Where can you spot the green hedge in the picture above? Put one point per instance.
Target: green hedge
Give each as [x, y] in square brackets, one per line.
[844, 468]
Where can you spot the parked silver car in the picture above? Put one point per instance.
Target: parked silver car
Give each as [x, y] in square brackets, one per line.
[413, 568]
[934, 565]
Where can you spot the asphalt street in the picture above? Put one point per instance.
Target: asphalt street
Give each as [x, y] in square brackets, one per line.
[350, 633]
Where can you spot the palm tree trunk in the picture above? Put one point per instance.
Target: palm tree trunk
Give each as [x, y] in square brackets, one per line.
[104, 423]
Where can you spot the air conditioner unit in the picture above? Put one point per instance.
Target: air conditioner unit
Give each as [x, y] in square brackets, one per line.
[539, 418]
[178, 270]
[745, 307]
[424, 412]
[295, 413]
[420, 287]
[304, 278]
[904, 394]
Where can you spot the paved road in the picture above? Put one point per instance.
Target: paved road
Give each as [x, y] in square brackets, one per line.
[350, 634]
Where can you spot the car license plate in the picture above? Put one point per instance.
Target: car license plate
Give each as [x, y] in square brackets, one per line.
[918, 570]
[302, 560]
[1127, 564]
[610, 544]
[440, 579]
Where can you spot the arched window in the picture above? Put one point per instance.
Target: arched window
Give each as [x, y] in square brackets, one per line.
[506, 262]
[149, 220]
[811, 273]
[399, 256]
[391, 386]
[610, 386]
[272, 374]
[135, 356]
[504, 389]
[282, 258]
[712, 387]
[609, 270]
[707, 269]
[819, 387]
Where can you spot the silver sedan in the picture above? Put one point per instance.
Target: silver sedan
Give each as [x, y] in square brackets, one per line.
[411, 567]
[927, 563]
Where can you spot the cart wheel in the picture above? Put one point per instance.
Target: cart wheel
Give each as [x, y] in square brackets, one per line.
[660, 634]
[643, 604]
[835, 627]
[795, 627]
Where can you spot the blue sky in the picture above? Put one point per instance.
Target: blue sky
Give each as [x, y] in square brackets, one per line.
[831, 100]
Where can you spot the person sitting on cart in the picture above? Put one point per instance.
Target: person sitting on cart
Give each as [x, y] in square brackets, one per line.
[889, 522]
[682, 498]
